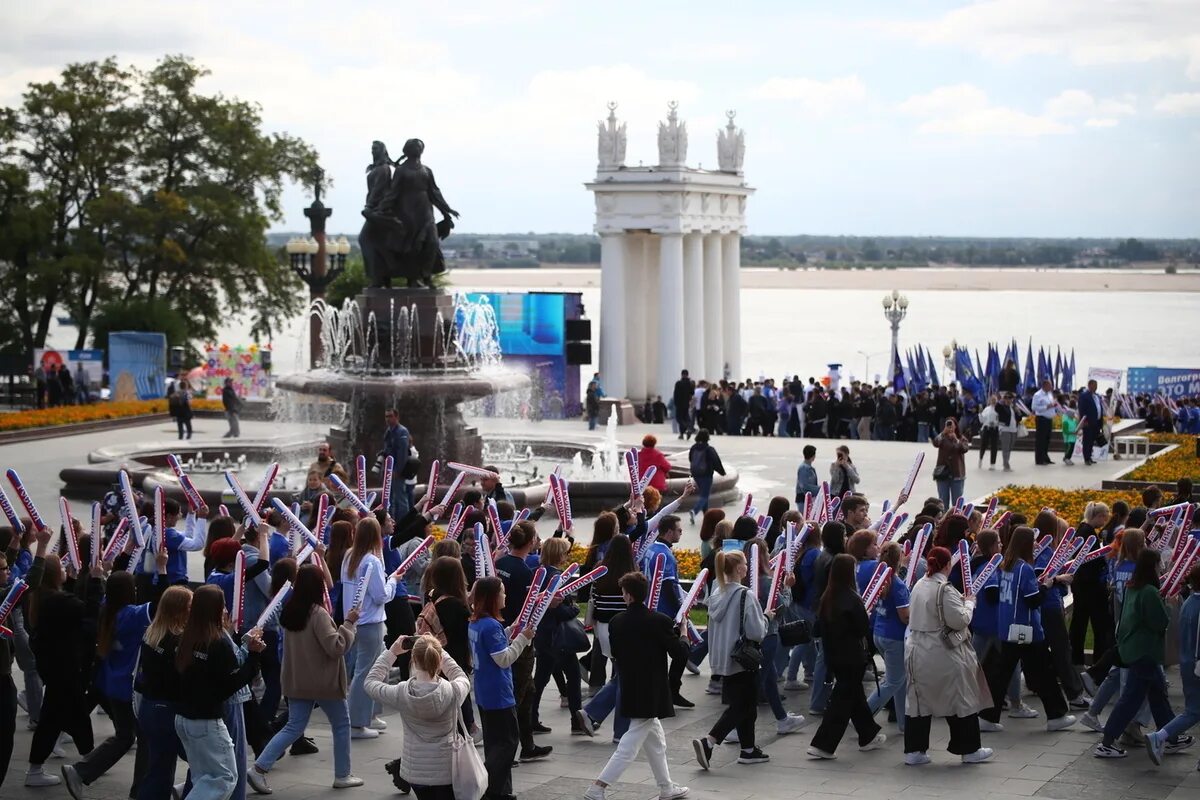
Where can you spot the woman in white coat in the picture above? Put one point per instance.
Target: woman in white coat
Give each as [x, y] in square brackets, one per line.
[429, 704]
[944, 677]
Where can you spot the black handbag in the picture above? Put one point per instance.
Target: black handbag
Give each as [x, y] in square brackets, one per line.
[746, 653]
[941, 473]
[795, 633]
[571, 637]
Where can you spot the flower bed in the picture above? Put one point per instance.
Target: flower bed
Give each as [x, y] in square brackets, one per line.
[93, 412]
[1170, 466]
[1068, 503]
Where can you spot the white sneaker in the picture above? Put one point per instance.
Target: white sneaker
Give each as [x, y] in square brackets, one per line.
[790, 724]
[979, 756]
[348, 782]
[36, 777]
[874, 744]
[989, 727]
[378, 724]
[731, 738]
[1060, 724]
[672, 792]
[692, 668]
[257, 780]
[712, 688]
[364, 733]
[58, 752]
[794, 686]
[816, 752]
[594, 792]
[1092, 722]
[1023, 711]
[917, 759]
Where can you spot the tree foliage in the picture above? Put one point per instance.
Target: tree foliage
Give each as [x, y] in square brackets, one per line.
[122, 188]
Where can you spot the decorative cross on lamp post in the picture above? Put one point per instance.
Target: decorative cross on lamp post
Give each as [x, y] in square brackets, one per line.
[895, 308]
[309, 259]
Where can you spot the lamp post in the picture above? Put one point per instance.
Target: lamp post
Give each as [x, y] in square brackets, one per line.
[895, 308]
[310, 260]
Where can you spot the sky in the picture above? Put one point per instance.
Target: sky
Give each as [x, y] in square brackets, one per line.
[992, 118]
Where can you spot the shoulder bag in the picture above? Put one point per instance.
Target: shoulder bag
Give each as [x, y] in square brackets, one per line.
[468, 775]
[950, 637]
[428, 622]
[746, 653]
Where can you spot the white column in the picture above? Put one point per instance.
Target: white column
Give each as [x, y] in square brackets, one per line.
[637, 308]
[670, 320]
[693, 304]
[731, 284]
[714, 343]
[612, 310]
[650, 285]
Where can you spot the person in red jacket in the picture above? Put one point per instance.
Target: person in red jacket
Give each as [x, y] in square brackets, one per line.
[650, 454]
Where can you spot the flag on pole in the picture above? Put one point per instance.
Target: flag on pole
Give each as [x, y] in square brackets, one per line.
[1030, 380]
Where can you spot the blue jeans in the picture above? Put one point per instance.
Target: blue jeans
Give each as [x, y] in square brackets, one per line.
[949, 491]
[398, 502]
[605, 702]
[210, 757]
[805, 654]
[235, 723]
[1191, 697]
[822, 681]
[768, 676]
[592, 422]
[923, 432]
[298, 713]
[1144, 682]
[156, 729]
[368, 644]
[700, 652]
[1108, 689]
[703, 490]
[895, 681]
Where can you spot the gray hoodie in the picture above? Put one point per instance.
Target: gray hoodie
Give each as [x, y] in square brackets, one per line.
[724, 626]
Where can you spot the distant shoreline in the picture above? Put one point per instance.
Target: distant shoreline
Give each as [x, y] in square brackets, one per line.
[910, 279]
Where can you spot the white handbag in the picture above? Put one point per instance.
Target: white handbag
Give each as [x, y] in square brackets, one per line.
[467, 772]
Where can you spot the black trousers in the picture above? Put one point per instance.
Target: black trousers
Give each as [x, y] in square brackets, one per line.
[1041, 440]
[548, 662]
[1039, 677]
[500, 740]
[964, 734]
[675, 673]
[1091, 608]
[109, 752]
[1089, 439]
[1054, 625]
[64, 710]
[443, 792]
[739, 692]
[989, 439]
[398, 620]
[522, 674]
[847, 705]
[8, 722]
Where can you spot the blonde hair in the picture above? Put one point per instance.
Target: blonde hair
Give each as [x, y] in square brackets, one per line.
[171, 615]
[727, 562]
[554, 551]
[427, 654]
[1095, 511]
[721, 532]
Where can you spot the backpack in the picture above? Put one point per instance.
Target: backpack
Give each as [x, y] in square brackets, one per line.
[698, 460]
[429, 623]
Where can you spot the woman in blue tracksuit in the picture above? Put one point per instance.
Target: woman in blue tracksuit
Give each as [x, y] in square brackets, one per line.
[122, 625]
[1022, 638]
[804, 598]
[1054, 619]
[363, 569]
[889, 626]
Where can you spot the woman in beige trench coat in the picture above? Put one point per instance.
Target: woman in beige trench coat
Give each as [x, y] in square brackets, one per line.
[944, 677]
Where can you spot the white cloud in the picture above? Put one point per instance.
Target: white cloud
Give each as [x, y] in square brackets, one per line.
[1180, 103]
[817, 97]
[1102, 122]
[964, 110]
[1088, 32]
[1078, 103]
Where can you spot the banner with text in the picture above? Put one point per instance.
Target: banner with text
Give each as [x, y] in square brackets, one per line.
[1171, 382]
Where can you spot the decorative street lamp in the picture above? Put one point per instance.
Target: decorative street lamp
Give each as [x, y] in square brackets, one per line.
[895, 308]
[309, 259]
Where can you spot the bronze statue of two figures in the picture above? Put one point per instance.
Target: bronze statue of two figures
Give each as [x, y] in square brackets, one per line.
[399, 238]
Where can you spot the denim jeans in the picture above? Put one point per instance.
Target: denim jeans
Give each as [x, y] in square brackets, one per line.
[605, 702]
[703, 490]
[1108, 689]
[235, 723]
[923, 432]
[768, 676]
[949, 491]
[822, 681]
[368, 644]
[298, 713]
[1144, 682]
[894, 686]
[1191, 697]
[805, 654]
[700, 651]
[210, 757]
[156, 727]
[27, 663]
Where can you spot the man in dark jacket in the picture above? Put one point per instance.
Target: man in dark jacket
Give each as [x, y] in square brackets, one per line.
[233, 407]
[685, 388]
[395, 444]
[642, 642]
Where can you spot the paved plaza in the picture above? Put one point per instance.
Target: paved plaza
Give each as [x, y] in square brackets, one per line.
[1029, 761]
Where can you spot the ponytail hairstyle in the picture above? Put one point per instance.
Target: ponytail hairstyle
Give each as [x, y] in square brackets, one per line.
[427, 655]
[891, 554]
[727, 562]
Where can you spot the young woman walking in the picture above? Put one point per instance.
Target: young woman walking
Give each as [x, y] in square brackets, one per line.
[158, 684]
[364, 582]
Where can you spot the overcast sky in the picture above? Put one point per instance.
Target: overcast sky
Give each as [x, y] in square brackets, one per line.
[1004, 117]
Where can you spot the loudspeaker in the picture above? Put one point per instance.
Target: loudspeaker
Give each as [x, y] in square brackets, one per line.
[176, 358]
[578, 330]
[579, 352]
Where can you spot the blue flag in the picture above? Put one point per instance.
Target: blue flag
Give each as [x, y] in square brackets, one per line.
[1029, 380]
[897, 373]
[933, 372]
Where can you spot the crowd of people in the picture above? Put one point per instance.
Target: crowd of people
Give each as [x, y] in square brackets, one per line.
[188, 671]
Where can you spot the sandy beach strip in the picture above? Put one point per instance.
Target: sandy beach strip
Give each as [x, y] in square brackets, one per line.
[1078, 280]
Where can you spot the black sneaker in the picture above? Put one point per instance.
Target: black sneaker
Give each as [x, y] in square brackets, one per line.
[538, 727]
[703, 751]
[304, 746]
[754, 756]
[679, 701]
[393, 769]
[537, 753]
[1102, 750]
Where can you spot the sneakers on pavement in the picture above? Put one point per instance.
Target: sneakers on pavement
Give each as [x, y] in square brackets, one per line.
[754, 756]
[1023, 711]
[1088, 683]
[73, 782]
[979, 756]
[703, 752]
[817, 752]
[985, 726]
[379, 724]
[876, 743]
[364, 733]
[794, 686]
[672, 792]
[581, 724]
[1155, 744]
[537, 753]
[917, 759]
[1179, 745]
[679, 701]
[257, 781]
[1092, 722]
[790, 724]
[348, 782]
[1061, 723]
[1102, 750]
[36, 777]
[695, 670]
[595, 792]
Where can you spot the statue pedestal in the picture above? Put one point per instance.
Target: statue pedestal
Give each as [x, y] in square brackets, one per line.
[407, 322]
[619, 406]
